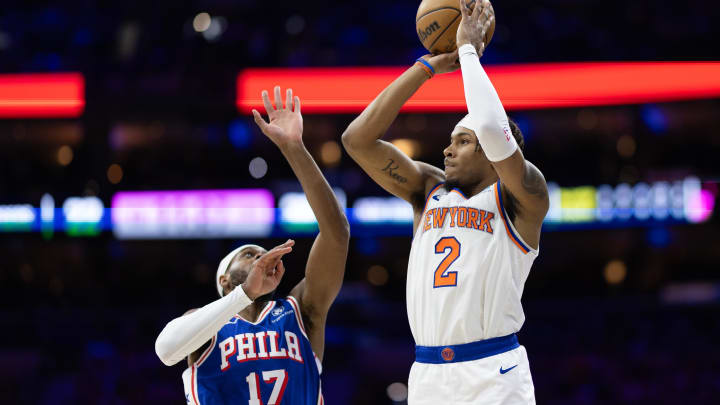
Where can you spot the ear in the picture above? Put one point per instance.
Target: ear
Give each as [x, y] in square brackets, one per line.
[224, 282]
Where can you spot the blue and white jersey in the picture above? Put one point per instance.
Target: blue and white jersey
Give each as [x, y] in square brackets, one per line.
[267, 362]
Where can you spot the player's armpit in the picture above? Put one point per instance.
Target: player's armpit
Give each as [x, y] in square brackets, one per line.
[324, 274]
[391, 168]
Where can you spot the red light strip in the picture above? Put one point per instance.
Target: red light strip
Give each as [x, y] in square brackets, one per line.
[527, 86]
[42, 95]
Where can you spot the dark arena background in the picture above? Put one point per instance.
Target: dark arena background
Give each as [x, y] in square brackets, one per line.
[110, 106]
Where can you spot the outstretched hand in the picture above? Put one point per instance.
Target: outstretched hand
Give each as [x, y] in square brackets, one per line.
[475, 24]
[267, 271]
[286, 123]
[443, 62]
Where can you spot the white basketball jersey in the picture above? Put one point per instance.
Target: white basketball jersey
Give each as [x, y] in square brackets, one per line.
[467, 269]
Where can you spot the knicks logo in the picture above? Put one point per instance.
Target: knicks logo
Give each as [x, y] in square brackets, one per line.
[447, 354]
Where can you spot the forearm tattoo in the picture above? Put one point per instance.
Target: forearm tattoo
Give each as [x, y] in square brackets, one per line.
[391, 170]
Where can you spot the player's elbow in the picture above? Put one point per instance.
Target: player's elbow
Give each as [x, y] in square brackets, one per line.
[487, 126]
[339, 234]
[163, 349]
[343, 232]
[349, 138]
[357, 136]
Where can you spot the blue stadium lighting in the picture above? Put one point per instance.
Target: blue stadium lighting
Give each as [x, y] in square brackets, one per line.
[239, 134]
[658, 237]
[654, 118]
[177, 215]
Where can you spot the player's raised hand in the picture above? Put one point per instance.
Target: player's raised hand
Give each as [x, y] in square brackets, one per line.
[286, 123]
[475, 24]
[267, 271]
[443, 62]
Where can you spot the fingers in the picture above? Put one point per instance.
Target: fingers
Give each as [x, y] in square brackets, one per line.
[480, 7]
[278, 98]
[277, 252]
[266, 102]
[297, 104]
[259, 120]
[288, 100]
[287, 243]
[464, 9]
[279, 270]
[486, 26]
[488, 11]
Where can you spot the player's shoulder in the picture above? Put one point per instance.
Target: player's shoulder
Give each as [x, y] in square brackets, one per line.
[433, 178]
[431, 173]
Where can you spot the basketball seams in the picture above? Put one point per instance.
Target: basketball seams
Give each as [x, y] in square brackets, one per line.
[443, 31]
[437, 9]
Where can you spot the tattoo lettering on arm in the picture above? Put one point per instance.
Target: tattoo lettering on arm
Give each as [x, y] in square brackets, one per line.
[391, 170]
[533, 181]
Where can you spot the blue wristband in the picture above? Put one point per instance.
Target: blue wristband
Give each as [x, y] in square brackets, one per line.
[424, 62]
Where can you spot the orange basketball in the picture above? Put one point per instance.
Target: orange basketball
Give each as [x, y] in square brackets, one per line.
[437, 22]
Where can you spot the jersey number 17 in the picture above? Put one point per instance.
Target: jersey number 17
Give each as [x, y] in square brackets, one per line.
[277, 377]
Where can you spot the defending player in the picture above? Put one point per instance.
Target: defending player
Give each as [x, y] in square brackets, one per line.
[476, 232]
[247, 347]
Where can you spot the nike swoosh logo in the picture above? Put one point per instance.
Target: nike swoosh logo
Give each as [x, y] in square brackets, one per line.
[436, 197]
[507, 369]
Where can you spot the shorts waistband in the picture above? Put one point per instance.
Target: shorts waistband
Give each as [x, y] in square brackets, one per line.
[466, 351]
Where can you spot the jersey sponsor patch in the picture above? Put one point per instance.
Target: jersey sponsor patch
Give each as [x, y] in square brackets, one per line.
[279, 313]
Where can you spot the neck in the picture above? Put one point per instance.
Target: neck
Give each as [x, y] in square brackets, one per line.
[473, 189]
[252, 311]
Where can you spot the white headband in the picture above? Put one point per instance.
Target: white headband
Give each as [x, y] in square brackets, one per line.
[225, 264]
[466, 123]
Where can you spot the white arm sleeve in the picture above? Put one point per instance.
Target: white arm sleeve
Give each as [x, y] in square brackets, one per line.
[487, 114]
[186, 334]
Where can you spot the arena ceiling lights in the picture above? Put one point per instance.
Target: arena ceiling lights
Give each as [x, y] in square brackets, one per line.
[525, 86]
[42, 95]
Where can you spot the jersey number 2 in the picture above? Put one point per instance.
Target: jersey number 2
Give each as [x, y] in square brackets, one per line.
[277, 377]
[444, 278]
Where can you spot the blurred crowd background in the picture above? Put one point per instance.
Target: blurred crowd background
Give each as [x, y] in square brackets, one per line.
[621, 308]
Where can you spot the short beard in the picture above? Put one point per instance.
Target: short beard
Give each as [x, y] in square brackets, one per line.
[451, 184]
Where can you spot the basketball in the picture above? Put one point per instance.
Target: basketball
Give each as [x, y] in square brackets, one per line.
[437, 22]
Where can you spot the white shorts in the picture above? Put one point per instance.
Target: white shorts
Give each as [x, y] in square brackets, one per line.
[501, 379]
